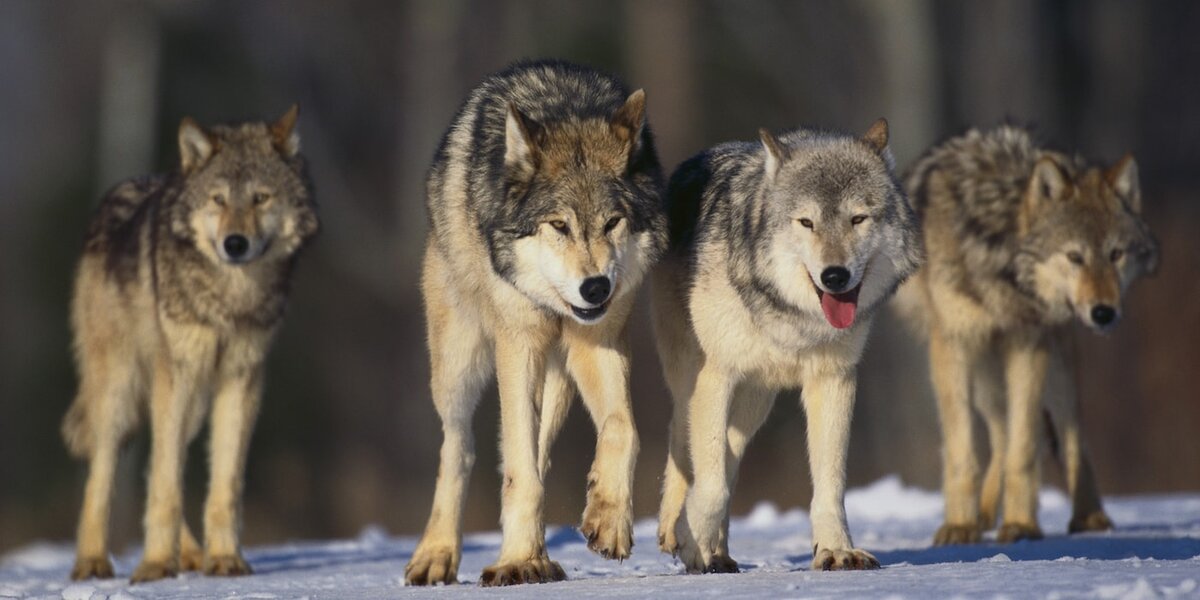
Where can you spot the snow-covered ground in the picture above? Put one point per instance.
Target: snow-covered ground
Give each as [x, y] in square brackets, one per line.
[1154, 553]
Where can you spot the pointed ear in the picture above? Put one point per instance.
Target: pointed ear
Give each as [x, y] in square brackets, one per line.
[1049, 182]
[776, 153]
[284, 135]
[1123, 177]
[628, 121]
[877, 135]
[521, 136]
[195, 145]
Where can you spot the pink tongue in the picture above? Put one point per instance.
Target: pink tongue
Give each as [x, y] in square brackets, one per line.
[839, 308]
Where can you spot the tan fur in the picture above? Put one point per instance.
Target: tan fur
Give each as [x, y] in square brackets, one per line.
[164, 325]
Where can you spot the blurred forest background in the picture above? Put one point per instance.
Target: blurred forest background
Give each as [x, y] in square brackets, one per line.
[93, 91]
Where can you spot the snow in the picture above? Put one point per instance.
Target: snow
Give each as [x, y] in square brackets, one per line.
[1154, 553]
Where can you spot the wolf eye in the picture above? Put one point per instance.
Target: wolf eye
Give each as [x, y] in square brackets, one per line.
[856, 219]
[560, 226]
[807, 223]
[612, 224]
[261, 198]
[1116, 254]
[218, 199]
[1075, 257]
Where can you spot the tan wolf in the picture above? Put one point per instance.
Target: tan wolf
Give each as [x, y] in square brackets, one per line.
[545, 209]
[1020, 241]
[781, 253]
[181, 287]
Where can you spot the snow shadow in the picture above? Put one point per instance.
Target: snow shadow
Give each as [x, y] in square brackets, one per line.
[1051, 548]
[297, 558]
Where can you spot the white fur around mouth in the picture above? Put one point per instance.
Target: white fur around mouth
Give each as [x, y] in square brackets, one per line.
[589, 314]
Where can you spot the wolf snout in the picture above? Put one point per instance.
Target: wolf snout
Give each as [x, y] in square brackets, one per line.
[835, 279]
[595, 290]
[1103, 315]
[236, 246]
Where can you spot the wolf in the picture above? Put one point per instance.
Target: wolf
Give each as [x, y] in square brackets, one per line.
[780, 254]
[545, 206]
[182, 284]
[1021, 240]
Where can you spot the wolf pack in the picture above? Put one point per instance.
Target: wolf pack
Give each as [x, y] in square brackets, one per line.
[767, 263]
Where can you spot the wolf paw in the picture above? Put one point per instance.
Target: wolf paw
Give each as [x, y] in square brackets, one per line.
[191, 559]
[153, 571]
[538, 570]
[230, 565]
[98, 567]
[950, 533]
[608, 527]
[432, 566]
[852, 559]
[666, 538]
[1095, 521]
[1015, 532]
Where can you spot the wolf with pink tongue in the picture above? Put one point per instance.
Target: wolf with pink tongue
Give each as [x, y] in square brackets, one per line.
[781, 252]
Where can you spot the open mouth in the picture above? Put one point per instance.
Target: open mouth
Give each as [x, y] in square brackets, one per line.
[589, 314]
[839, 309]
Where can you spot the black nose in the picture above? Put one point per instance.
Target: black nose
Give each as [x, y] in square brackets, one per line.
[236, 245]
[1103, 314]
[835, 278]
[595, 289]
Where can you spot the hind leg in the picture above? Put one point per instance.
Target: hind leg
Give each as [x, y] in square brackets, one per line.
[988, 398]
[1062, 406]
[557, 395]
[107, 398]
[460, 364]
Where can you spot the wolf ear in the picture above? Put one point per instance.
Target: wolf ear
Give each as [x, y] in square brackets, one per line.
[1049, 182]
[776, 153]
[877, 135]
[628, 121]
[195, 145]
[284, 134]
[1123, 177]
[521, 135]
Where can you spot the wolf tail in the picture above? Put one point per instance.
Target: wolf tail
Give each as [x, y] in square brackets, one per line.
[909, 305]
[77, 430]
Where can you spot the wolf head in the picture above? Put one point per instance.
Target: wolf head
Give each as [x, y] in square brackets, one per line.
[244, 196]
[589, 234]
[841, 232]
[1083, 238]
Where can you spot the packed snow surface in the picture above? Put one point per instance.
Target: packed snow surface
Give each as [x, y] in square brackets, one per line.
[1153, 553]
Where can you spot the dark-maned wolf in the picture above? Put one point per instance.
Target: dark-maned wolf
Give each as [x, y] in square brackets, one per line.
[181, 286]
[780, 255]
[1020, 240]
[545, 207]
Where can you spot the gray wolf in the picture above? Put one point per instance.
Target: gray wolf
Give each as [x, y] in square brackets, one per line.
[181, 286]
[545, 213]
[780, 254]
[1021, 240]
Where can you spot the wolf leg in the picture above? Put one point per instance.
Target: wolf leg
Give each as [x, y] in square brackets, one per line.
[678, 473]
[191, 555]
[520, 372]
[698, 530]
[951, 363]
[176, 385]
[1025, 375]
[460, 365]
[235, 408]
[988, 398]
[600, 367]
[747, 413]
[557, 395]
[828, 406]
[107, 400]
[1062, 404]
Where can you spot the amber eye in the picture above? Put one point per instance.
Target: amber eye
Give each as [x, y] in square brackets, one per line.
[612, 224]
[1116, 254]
[1075, 257]
[560, 226]
[261, 198]
[807, 223]
[218, 199]
[856, 219]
